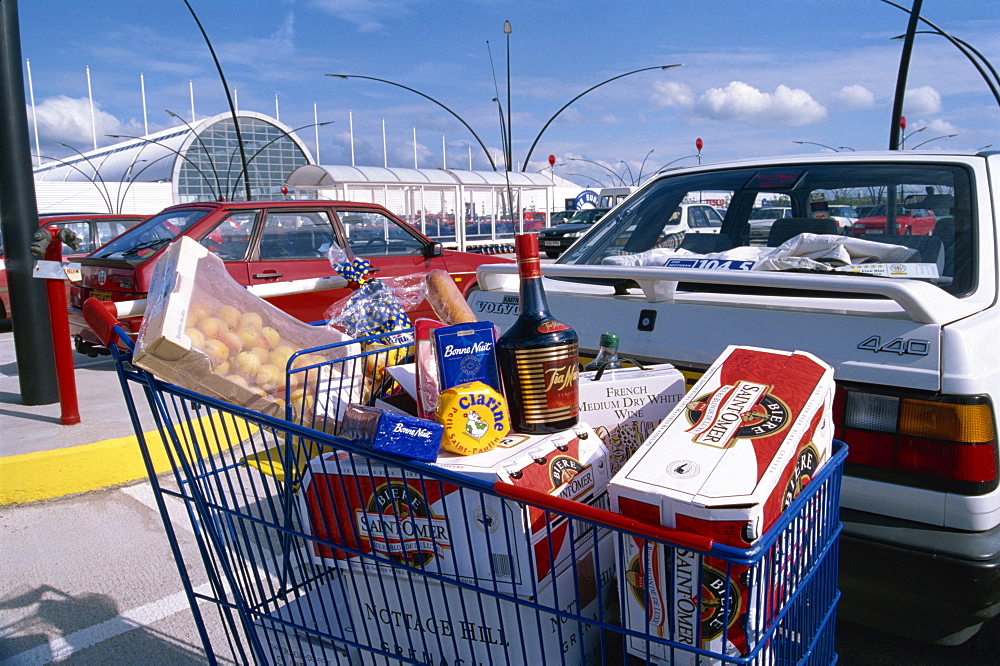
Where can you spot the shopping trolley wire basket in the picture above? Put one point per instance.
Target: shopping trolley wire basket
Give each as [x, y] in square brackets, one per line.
[316, 550]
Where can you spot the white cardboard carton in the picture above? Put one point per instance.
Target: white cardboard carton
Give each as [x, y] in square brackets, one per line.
[441, 623]
[626, 404]
[322, 609]
[724, 464]
[377, 509]
[187, 339]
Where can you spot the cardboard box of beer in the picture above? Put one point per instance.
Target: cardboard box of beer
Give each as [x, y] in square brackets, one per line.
[323, 610]
[626, 404]
[440, 623]
[725, 463]
[379, 511]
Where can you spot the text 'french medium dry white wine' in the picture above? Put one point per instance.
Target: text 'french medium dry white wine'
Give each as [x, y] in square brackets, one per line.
[538, 356]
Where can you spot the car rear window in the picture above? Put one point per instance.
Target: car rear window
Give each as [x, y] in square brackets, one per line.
[149, 236]
[930, 223]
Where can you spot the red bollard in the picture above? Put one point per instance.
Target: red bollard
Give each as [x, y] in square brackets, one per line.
[61, 345]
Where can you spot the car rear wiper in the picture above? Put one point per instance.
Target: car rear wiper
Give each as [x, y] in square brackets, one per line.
[159, 242]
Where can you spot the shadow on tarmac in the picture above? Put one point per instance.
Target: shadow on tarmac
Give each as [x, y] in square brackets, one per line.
[46, 611]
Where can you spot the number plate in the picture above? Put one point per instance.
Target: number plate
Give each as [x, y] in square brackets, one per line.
[551, 243]
[100, 295]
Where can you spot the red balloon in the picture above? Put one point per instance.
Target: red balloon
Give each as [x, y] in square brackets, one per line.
[902, 122]
[284, 190]
[552, 160]
[698, 144]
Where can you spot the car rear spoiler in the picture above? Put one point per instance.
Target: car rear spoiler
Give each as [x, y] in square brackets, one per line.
[923, 302]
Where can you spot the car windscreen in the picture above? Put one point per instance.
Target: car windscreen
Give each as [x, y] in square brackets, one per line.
[149, 236]
[637, 233]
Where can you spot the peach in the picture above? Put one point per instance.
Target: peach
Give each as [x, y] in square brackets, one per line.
[269, 377]
[212, 326]
[197, 337]
[251, 320]
[230, 315]
[261, 353]
[272, 336]
[251, 338]
[246, 364]
[280, 354]
[223, 368]
[216, 351]
[232, 342]
[196, 313]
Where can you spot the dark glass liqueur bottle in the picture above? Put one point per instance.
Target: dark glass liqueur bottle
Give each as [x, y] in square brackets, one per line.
[538, 356]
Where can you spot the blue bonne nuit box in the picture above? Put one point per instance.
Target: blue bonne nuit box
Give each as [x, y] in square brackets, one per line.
[389, 432]
[467, 353]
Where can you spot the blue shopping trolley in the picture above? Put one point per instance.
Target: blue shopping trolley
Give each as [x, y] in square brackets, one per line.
[314, 550]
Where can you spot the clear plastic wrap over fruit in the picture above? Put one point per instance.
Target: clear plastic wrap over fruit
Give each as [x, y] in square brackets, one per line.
[203, 331]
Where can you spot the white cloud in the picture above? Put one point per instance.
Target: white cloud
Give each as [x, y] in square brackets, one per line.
[856, 97]
[68, 120]
[670, 93]
[924, 100]
[366, 14]
[740, 101]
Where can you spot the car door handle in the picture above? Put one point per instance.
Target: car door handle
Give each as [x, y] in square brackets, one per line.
[264, 276]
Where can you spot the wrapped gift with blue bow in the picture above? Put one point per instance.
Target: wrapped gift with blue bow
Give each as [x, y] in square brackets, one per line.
[372, 309]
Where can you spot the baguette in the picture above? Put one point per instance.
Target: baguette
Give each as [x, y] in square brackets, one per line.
[446, 300]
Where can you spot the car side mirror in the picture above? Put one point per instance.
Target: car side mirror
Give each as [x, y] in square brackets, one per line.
[433, 250]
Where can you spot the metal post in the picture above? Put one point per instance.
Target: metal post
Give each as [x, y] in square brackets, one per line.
[19, 221]
[62, 349]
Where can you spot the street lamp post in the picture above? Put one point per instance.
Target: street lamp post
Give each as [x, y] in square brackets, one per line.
[902, 141]
[629, 169]
[427, 97]
[967, 49]
[229, 98]
[608, 169]
[217, 192]
[945, 136]
[564, 106]
[643, 166]
[823, 145]
[676, 160]
[510, 143]
[208, 155]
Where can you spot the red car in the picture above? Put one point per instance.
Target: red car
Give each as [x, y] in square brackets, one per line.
[909, 221]
[93, 229]
[263, 242]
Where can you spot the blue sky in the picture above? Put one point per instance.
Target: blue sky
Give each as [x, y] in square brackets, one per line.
[756, 76]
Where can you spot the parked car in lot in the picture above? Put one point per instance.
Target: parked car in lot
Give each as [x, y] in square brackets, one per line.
[561, 216]
[688, 219]
[554, 240]
[93, 230]
[263, 242]
[761, 220]
[908, 221]
[533, 221]
[845, 216]
[914, 353]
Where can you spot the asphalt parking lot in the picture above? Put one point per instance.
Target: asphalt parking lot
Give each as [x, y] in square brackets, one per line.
[88, 578]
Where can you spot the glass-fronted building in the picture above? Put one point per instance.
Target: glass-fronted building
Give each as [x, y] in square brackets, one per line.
[201, 161]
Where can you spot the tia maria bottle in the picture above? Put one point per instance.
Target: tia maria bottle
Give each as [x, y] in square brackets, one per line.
[538, 356]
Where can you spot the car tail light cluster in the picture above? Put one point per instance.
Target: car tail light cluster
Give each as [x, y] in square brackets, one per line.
[944, 443]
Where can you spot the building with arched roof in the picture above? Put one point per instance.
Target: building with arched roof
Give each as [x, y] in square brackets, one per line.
[192, 162]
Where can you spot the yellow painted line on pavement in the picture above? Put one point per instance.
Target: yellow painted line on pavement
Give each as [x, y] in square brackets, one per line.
[46, 474]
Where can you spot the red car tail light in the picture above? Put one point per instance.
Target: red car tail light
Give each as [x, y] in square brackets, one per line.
[944, 443]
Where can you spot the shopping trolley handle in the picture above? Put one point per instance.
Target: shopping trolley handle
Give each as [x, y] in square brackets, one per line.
[102, 318]
[603, 517]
